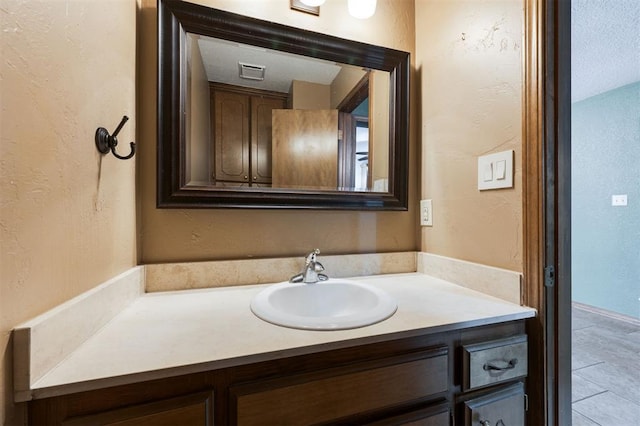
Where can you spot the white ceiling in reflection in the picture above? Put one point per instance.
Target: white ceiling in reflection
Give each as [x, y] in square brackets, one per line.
[221, 60]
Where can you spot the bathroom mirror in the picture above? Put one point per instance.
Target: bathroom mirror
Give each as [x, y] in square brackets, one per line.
[253, 114]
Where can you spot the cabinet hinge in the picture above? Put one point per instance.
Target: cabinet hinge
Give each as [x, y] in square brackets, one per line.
[549, 276]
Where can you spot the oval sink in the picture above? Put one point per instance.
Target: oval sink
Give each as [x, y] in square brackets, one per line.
[335, 304]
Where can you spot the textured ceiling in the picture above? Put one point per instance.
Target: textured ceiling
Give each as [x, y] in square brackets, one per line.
[605, 45]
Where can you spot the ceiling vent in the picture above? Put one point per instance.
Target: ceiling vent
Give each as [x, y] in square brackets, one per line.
[251, 72]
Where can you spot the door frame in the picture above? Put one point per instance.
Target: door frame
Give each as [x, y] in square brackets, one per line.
[547, 207]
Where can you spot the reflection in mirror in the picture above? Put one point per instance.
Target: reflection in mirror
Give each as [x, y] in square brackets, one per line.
[264, 118]
[261, 115]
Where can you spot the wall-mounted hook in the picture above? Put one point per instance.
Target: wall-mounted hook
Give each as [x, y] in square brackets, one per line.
[106, 142]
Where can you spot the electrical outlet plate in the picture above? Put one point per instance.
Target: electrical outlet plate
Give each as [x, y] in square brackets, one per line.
[426, 213]
[619, 200]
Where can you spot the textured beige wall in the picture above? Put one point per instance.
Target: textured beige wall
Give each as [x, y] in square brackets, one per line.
[469, 59]
[344, 83]
[306, 95]
[379, 125]
[198, 111]
[67, 216]
[179, 235]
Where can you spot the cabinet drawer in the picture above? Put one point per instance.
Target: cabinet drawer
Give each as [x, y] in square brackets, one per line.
[494, 362]
[343, 392]
[505, 407]
[189, 410]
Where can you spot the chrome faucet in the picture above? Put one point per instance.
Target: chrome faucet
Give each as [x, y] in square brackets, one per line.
[311, 273]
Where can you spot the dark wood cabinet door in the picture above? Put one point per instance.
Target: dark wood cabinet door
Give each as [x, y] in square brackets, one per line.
[242, 134]
[335, 395]
[504, 407]
[261, 130]
[187, 410]
[231, 136]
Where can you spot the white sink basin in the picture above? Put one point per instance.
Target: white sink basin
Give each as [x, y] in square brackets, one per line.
[335, 304]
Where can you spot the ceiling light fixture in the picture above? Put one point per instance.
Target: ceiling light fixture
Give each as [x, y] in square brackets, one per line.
[362, 9]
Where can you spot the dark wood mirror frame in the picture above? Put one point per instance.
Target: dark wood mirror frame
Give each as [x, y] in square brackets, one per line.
[176, 18]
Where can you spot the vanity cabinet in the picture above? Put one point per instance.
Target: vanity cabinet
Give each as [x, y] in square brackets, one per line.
[242, 134]
[396, 380]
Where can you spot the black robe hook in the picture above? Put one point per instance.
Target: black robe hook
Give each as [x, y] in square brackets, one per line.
[106, 142]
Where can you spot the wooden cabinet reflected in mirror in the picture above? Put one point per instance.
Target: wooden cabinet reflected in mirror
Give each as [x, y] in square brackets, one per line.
[241, 135]
[257, 114]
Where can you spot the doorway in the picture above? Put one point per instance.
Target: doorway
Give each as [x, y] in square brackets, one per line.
[605, 153]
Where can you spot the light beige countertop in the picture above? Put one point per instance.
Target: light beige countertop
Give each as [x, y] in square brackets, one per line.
[171, 333]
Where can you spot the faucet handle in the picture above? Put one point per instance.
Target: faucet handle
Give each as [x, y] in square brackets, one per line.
[311, 257]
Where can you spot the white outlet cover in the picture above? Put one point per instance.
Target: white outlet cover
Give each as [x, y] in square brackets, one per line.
[619, 200]
[426, 213]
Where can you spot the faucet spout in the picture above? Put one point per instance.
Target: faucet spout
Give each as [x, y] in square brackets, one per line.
[312, 270]
[297, 278]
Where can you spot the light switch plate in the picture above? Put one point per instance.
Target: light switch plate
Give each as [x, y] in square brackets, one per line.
[501, 165]
[426, 213]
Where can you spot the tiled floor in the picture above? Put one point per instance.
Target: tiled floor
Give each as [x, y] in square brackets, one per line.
[605, 369]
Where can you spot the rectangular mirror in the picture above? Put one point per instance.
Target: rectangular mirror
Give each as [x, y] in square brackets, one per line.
[260, 115]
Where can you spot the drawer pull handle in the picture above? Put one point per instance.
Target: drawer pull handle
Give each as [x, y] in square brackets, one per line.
[488, 423]
[500, 365]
